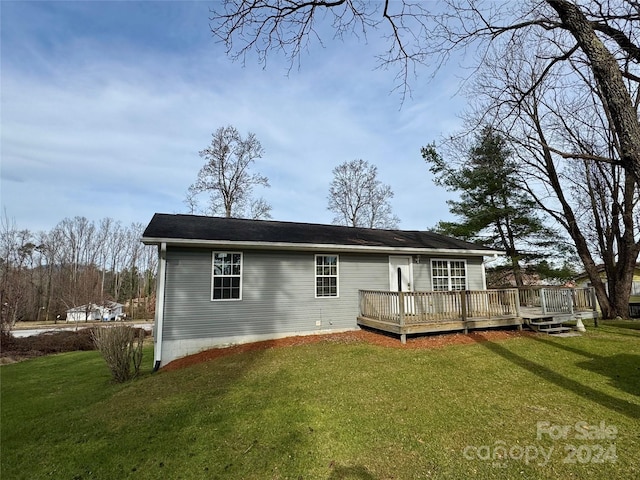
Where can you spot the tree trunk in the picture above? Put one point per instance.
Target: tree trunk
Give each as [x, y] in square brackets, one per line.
[609, 79]
[517, 271]
[619, 294]
[610, 306]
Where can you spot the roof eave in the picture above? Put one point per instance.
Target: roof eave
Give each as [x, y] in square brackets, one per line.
[316, 247]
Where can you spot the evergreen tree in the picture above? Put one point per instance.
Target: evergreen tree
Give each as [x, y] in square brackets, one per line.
[492, 210]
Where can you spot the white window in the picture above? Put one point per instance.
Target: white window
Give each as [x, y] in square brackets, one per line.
[448, 275]
[326, 275]
[226, 281]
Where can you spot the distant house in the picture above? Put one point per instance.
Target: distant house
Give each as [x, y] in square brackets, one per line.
[223, 280]
[92, 312]
[582, 280]
[503, 277]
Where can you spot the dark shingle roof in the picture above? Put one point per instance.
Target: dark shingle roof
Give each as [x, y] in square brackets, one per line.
[193, 229]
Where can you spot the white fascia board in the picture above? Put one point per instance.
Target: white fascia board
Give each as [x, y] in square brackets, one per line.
[315, 247]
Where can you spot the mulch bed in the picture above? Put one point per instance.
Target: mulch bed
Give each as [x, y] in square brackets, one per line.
[358, 336]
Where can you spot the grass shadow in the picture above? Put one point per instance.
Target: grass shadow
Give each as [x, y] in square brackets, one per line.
[549, 375]
[626, 324]
[543, 338]
[357, 472]
[629, 334]
[623, 371]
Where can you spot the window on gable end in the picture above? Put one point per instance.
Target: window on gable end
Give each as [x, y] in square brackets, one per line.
[226, 281]
[326, 275]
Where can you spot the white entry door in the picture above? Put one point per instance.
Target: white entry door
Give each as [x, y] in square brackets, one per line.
[401, 278]
[400, 274]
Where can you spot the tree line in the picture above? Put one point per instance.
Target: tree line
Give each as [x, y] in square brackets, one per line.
[79, 261]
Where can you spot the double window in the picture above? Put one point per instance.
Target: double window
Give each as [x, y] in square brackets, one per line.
[326, 275]
[448, 275]
[226, 277]
[226, 283]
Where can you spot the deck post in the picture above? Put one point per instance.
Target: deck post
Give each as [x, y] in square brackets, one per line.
[595, 306]
[463, 309]
[543, 302]
[403, 335]
[571, 300]
[516, 297]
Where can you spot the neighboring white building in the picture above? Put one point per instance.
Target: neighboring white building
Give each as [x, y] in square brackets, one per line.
[91, 312]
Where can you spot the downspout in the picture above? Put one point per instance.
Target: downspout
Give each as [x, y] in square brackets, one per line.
[159, 317]
[483, 274]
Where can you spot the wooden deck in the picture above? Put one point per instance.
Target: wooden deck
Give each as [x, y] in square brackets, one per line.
[406, 313]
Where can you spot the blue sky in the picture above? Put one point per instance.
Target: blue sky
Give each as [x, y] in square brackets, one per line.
[105, 106]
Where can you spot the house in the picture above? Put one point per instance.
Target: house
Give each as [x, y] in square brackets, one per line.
[92, 312]
[582, 280]
[224, 280]
[503, 277]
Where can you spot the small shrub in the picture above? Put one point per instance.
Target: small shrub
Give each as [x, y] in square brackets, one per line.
[63, 341]
[121, 348]
[7, 342]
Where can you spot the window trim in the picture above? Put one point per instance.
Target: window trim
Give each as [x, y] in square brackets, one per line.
[449, 276]
[316, 276]
[213, 275]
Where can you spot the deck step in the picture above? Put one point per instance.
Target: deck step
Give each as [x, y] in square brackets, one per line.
[547, 324]
[554, 330]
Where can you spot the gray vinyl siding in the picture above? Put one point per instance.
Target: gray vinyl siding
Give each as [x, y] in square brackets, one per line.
[422, 275]
[475, 281]
[278, 292]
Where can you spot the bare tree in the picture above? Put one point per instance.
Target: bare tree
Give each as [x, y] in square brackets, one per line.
[569, 158]
[358, 198]
[116, 246]
[619, 27]
[48, 246]
[226, 176]
[191, 201]
[81, 284]
[603, 32]
[16, 248]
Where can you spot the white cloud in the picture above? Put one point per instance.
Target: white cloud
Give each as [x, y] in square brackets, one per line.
[115, 132]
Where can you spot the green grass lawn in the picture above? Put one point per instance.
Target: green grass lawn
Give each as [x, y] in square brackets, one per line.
[336, 411]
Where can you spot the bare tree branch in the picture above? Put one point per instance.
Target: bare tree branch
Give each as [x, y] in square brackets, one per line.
[358, 198]
[226, 176]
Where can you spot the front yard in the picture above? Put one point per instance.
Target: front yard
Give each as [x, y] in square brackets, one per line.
[529, 407]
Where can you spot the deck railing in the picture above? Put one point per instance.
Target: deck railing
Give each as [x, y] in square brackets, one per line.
[584, 299]
[493, 303]
[557, 299]
[405, 308]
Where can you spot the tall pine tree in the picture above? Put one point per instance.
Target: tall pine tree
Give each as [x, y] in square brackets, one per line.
[492, 210]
